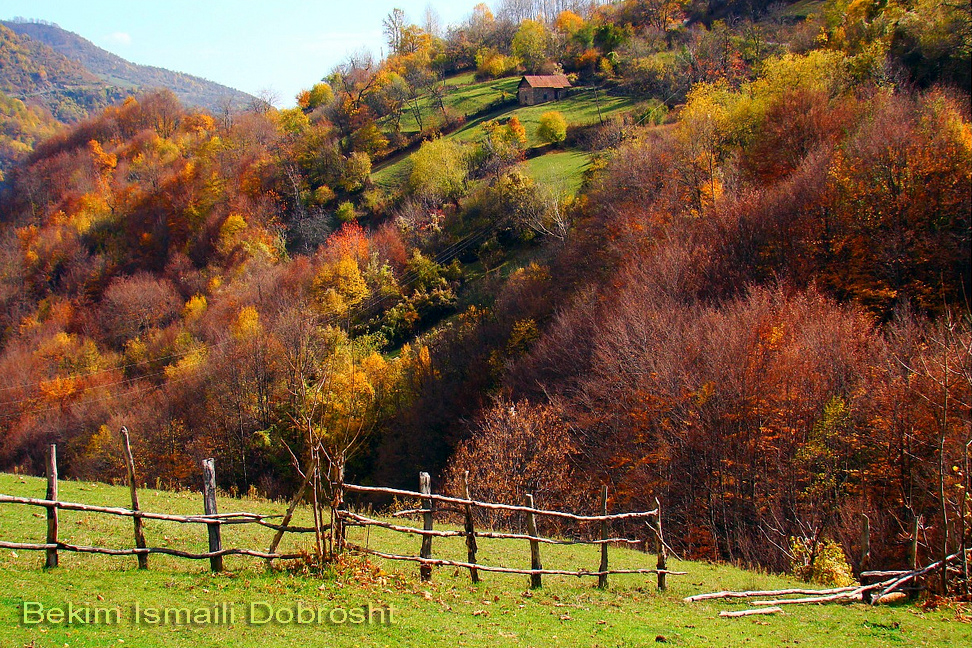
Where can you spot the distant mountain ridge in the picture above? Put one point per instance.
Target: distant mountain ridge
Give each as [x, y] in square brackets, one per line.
[115, 71]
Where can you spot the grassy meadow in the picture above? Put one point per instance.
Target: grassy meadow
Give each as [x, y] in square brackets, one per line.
[500, 611]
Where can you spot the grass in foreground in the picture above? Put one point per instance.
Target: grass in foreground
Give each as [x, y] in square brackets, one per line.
[500, 611]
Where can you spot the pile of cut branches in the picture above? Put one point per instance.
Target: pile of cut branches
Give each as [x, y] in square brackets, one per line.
[885, 591]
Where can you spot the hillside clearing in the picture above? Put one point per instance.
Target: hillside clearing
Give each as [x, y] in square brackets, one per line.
[501, 611]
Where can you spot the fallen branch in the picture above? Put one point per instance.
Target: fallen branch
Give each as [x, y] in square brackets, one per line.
[743, 613]
[898, 582]
[782, 592]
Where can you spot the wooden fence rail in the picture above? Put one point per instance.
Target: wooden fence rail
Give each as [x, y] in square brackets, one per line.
[464, 506]
[342, 518]
[141, 551]
[506, 570]
[221, 518]
[616, 517]
[213, 521]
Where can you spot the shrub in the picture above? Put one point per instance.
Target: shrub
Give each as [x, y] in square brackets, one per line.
[553, 127]
[828, 567]
[345, 212]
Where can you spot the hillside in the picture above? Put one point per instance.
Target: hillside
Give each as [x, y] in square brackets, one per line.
[500, 611]
[730, 271]
[482, 102]
[35, 73]
[130, 77]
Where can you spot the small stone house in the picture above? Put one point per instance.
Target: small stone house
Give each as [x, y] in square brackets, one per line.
[538, 89]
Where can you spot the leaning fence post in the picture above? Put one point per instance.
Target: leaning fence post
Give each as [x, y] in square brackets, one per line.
[139, 533]
[602, 578]
[52, 510]
[425, 487]
[209, 506]
[535, 579]
[661, 549]
[470, 532]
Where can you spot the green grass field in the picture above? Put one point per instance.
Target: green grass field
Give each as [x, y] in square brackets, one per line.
[500, 611]
[466, 96]
[561, 171]
[581, 108]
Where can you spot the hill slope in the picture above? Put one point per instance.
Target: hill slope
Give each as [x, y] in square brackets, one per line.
[499, 611]
[35, 73]
[116, 71]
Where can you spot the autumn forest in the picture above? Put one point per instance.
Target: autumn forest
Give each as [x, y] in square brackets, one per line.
[755, 307]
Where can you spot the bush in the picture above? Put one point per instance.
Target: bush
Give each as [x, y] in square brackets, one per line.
[828, 567]
[553, 127]
[345, 212]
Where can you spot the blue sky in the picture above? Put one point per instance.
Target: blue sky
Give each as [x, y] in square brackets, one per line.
[252, 45]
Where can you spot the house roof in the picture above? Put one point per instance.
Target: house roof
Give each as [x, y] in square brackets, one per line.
[546, 81]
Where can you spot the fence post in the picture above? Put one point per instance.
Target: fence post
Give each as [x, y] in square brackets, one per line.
[52, 510]
[535, 579]
[865, 542]
[602, 579]
[661, 549]
[425, 487]
[209, 507]
[913, 550]
[470, 532]
[139, 533]
[337, 523]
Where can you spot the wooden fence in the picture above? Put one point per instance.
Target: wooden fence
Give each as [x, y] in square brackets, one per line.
[341, 519]
[212, 519]
[530, 514]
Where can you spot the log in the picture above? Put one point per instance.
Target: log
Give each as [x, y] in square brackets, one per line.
[893, 597]
[136, 519]
[471, 547]
[884, 574]
[855, 595]
[52, 510]
[744, 613]
[602, 580]
[503, 570]
[535, 566]
[781, 592]
[209, 506]
[498, 507]
[425, 486]
[901, 580]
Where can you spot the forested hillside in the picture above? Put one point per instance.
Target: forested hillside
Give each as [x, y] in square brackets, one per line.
[49, 76]
[747, 293]
[116, 71]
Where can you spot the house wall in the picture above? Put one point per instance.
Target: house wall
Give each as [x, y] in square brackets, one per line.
[532, 96]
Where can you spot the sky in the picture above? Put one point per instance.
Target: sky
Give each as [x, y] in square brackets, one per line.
[252, 45]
